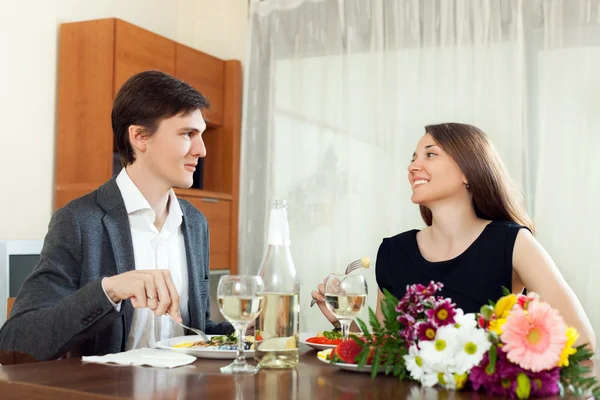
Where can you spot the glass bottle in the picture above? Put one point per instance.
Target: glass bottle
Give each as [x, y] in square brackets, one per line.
[276, 334]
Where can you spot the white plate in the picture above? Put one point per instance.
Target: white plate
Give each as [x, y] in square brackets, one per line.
[200, 352]
[302, 339]
[322, 356]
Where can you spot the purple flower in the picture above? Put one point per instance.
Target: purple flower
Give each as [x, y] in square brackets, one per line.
[418, 308]
[418, 292]
[406, 319]
[425, 330]
[443, 313]
[479, 376]
[418, 288]
[413, 307]
[402, 306]
[503, 381]
[407, 327]
[544, 383]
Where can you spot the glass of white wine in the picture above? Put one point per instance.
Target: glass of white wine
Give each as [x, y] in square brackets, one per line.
[240, 300]
[345, 296]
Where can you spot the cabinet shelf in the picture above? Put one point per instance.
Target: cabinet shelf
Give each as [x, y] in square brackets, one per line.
[201, 193]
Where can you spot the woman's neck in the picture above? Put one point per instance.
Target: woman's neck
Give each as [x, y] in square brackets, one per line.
[454, 223]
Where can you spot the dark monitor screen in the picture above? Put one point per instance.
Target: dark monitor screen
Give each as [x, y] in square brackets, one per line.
[20, 266]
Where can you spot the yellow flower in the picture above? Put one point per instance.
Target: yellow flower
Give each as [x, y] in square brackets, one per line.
[572, 336]
[460, 380]
[496, 325]
[504, 305]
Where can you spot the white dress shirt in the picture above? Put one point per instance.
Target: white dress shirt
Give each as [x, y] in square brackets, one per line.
[155, 250]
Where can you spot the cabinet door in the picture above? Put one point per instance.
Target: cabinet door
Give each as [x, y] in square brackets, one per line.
[84, 141]
[218, 216]
[138, 50]
[205, 74]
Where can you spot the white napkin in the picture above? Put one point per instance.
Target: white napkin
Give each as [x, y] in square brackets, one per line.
[151, 357]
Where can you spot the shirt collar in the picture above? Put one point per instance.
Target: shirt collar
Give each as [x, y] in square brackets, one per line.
[135, 201]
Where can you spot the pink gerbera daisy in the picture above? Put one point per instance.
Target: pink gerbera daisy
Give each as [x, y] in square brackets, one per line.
[534, 338]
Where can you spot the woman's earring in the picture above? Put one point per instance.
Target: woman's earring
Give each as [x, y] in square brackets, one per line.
[467, 186]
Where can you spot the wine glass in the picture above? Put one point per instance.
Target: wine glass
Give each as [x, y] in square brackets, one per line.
[240, 300]
[345, 296]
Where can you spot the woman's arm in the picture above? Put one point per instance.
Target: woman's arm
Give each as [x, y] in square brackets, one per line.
[539, 274]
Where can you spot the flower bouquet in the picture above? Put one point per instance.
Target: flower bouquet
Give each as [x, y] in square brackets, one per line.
[517, 347]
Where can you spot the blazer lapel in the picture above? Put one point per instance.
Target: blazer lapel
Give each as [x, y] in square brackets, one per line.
[116, 223]
[191, 239]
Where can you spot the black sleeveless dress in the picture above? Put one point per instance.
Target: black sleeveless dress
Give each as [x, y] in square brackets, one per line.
[470, 280]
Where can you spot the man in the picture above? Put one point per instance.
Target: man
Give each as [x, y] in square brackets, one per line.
[116, 260]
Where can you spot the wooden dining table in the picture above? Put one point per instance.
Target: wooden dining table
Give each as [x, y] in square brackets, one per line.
[22, 378]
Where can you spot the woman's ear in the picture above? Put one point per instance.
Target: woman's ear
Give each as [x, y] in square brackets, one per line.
[138, 138]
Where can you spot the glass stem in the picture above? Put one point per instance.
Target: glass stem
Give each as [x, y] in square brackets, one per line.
[240, 359]
[345, 327]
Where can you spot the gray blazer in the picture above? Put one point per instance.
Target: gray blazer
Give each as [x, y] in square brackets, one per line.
[61, 307]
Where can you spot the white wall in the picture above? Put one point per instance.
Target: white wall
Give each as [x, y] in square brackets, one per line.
[28, 71]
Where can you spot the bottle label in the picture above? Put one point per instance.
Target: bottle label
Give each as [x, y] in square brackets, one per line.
[279, 229]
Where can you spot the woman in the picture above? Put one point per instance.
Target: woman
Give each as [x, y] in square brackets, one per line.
[479, 238]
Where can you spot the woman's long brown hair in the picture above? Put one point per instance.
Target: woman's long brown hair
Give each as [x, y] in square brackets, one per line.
[494, 195]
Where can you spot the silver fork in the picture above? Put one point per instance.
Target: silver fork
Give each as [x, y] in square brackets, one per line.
[196, 331]
[356, 264]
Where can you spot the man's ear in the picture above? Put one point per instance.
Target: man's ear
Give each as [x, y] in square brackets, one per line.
[138, 138]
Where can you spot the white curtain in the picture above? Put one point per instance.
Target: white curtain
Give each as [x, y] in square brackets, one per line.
[566, 110]
[337, 94]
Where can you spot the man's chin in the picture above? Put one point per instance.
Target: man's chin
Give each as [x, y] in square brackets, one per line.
[184, 184]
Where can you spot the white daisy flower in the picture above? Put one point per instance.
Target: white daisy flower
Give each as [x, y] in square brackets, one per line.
[414, 363]
[465, 320]
[439, 353]
[446, 380]
[472, 344]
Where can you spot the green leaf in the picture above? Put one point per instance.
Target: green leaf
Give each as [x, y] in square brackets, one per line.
[375, 366]
[388, 295]
[363, 327]
[576, 377]
[363, 356]
[505, 291]
[493, 356]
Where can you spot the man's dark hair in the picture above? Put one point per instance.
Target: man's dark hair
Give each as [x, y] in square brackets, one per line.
[146, 99]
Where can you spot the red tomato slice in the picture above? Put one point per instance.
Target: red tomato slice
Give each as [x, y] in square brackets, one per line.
[324, 340]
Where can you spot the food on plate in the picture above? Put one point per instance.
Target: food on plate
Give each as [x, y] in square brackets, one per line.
[224, 342]
[325, 354]
[332, 338]
[346, 352]
[329, 338]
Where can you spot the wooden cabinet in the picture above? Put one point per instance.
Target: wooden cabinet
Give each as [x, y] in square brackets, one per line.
[218, 216]
[138, 50]
[95, 59]
[85, 93]
[206, 74]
